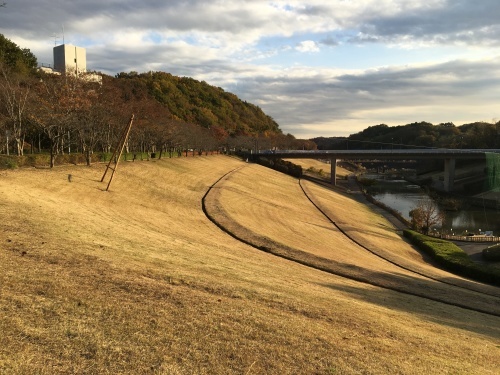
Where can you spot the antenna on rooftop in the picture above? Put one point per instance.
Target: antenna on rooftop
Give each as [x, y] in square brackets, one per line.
[63, 33]
[55, 39]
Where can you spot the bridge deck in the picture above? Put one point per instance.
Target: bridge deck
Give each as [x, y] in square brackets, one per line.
[381, 154]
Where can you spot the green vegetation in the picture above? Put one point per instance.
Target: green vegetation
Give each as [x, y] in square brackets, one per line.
[492, 171]
[425, 134]
[282, 166]
[7, 162]
[320, 172]
[492, 253]
[418, 134]
[19, 60]
[454, 259]
[198, 102]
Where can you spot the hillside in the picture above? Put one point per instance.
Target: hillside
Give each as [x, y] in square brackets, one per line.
[198, 102]
[45, 112]
[139, 280]
[476, 135]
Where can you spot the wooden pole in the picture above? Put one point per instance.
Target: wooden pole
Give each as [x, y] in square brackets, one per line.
[119, 150]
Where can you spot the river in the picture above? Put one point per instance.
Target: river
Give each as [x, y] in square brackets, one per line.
[403, 196]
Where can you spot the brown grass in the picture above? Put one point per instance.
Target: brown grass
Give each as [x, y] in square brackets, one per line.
[237, 206]
[317, 165]
[138, 280]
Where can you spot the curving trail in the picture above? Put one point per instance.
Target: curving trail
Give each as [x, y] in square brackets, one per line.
[397, 260]
[319, 228]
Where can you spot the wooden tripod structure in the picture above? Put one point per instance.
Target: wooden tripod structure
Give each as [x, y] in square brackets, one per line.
[118, 150]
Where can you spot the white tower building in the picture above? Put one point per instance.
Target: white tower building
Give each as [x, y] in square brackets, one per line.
[70, 59]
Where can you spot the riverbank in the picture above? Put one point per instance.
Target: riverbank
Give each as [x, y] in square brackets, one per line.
[469, 178]
[473, 249]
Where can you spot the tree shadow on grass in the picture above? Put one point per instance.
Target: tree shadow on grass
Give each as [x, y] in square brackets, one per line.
[433, 311]
[399, 279]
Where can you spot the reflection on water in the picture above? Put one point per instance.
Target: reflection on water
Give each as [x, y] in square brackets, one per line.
[404, 196]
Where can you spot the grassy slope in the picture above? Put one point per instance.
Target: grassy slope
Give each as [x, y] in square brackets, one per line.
[318, 165]
[261, 214]
[137, 280]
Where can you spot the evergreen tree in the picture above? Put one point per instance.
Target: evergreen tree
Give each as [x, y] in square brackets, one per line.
[15, 58]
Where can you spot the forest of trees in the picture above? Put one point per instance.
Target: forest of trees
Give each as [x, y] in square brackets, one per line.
[477, 135]
[198, 102]
[58, 114]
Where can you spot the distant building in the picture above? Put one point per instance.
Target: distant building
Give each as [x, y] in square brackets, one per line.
[70, 59]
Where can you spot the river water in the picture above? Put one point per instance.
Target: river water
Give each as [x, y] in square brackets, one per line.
[404, 196]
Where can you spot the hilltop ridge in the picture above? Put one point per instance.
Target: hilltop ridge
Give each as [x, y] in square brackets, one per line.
[198, 102]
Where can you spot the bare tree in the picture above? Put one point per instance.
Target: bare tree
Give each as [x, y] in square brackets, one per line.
[91, 123]
[187, 137]
[425, 215]
[15, 92]
[166, 133]
[111, 102]
[243, 142]
[58, 100]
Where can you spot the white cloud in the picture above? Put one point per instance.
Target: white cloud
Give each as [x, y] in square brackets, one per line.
[307, 46]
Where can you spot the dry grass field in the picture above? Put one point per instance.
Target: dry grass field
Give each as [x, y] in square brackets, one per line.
[139, 281]
[237, 206]
[319, 165]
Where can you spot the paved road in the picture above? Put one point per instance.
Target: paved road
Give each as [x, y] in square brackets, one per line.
[473, 249]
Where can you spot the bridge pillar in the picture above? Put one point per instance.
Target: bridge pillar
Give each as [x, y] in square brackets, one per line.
[333, 171]
[449, 174]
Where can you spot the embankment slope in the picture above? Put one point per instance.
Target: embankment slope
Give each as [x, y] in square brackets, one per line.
[138, 280]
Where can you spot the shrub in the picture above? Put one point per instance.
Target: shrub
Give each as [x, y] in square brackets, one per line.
[43, 159]
[34, 160]
[10, 164]
[281, 166]
[319, 172]
[492, 253]
[367, 181]
[452, 258]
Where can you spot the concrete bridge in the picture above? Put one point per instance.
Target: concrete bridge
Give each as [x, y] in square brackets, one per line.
[448, 155]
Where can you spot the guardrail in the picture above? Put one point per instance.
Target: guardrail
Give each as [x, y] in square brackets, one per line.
[466, 238]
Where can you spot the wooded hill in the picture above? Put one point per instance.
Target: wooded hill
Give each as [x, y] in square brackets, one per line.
[198, 102]
[171, 113]
[17, 59]
[184, 98]
[60, 113]
[475, 135]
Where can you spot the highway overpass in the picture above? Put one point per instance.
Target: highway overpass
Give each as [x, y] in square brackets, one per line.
[448, 155]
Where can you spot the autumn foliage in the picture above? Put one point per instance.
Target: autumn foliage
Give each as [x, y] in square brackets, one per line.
[60, 114]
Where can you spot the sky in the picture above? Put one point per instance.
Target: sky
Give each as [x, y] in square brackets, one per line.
[318, 68]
